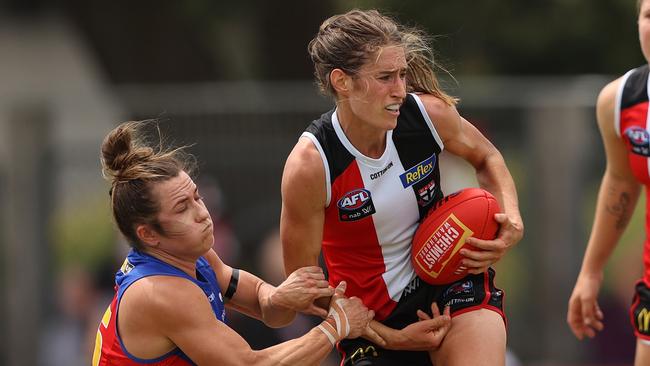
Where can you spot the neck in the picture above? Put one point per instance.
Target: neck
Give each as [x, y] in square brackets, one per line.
[187, 265]
[369, 140]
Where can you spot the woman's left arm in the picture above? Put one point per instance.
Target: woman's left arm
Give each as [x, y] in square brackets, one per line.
[275, 306]
[461, 138]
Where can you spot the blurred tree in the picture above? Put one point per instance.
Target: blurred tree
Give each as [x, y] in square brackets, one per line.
[203, 40]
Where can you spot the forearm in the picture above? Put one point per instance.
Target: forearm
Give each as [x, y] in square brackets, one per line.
[494, 176]
[393, 338]
[616, 201]
[273, 314]
[310, 349]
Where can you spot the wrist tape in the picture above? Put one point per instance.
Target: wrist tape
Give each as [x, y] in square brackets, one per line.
[342, 329]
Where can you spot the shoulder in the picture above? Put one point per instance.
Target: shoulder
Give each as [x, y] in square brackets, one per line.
[436, 108]
[304, 171]
[304, 162]
[157, 292]
[606, 104]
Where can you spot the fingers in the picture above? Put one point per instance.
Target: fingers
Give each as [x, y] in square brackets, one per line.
[340, 289]
[422, 315]
[374, 337]
[316, 310]
[434, 309]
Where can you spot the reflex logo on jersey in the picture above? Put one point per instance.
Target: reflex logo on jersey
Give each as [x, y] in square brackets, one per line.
[418, 172]
[355, 205]
[639, 140]
[445, 241]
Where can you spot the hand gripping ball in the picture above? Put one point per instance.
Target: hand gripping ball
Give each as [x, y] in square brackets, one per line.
[442, 233]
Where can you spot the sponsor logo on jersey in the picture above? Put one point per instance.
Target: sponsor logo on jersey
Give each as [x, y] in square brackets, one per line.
[418, 172]
[355, 205]
[443, 243]
[426, 194]
[460, 288]
[459, 293]
[643, 320]
[126, 267]
[639, 140]
[378, 174]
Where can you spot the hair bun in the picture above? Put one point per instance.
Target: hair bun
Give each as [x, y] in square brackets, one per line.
[121, 151]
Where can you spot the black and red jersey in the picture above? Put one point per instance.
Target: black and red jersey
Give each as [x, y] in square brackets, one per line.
[632, 125]
[373, 206]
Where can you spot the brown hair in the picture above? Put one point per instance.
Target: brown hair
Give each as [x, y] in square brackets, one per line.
[347, 41]
[131, 165]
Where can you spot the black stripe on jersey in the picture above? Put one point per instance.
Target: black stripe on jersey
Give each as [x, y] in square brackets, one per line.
[338, 157]
[415, 144]
[636, 88]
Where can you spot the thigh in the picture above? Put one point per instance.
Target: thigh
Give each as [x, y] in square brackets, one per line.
[642, 356]
[483, 331]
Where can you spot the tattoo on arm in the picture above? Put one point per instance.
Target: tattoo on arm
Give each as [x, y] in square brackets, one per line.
[620, 209]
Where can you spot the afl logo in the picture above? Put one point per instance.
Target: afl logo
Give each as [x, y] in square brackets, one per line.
[355, 205]
[639, 140]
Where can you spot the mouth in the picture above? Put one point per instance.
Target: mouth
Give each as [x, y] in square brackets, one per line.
[393, 108]
[208, 227]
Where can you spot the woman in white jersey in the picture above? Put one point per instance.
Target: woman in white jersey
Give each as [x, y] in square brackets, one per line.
[622, 114]
[362, 176]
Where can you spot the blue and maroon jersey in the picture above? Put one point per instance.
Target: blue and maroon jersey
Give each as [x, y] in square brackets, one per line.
[109, 349]
[632, 125]
[374, 205]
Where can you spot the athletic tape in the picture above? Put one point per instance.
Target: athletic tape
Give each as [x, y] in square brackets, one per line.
[329, 335]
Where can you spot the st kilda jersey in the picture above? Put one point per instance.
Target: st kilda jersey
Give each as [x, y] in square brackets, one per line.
[633, 126]
[374, 205]
[109, 349]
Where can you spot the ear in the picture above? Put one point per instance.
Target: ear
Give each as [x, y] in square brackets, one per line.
[341, 82]
[147, 235]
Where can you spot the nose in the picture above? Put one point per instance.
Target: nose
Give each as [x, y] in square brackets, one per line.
[202, 212]
[399, 88]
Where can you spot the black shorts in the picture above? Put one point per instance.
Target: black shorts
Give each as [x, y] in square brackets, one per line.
[640, 311]
[470, 293]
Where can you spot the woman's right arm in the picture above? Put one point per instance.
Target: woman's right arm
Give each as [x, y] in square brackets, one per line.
[174, 310]
[303, 206]
[617, 197]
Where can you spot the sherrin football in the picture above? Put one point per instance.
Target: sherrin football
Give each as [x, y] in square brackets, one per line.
[442, 233]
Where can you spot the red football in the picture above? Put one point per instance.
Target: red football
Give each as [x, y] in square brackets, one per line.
[442, 233]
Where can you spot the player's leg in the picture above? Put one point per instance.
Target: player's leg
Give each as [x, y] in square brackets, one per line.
[642, 356]
[475, 338]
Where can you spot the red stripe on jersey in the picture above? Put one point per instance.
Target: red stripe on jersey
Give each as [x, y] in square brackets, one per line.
[108, 343]
[635, 116]
[362, 271]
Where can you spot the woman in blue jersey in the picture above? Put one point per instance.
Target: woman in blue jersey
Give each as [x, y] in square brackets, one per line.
[362, 176]
[622, 114]
[172, 288]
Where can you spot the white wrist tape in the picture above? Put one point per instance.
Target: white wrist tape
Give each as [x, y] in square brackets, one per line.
[327, 332]
[342, 329]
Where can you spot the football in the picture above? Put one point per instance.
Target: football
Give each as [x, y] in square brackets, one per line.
[442, 233]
